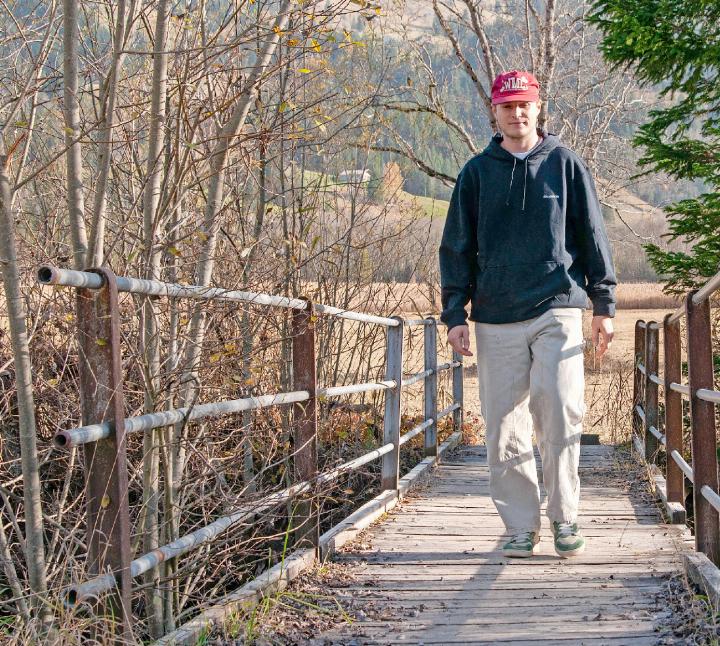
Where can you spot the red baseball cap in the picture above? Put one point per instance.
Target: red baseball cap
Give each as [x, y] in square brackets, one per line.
[515, 86]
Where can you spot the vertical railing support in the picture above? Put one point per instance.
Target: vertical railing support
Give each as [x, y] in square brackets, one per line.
[638, 390]
[673, 408]
[458, 395]
[108, 520]
[431, 441]
[391, 427]
[702, 416]
[307, 517]
[651, 390]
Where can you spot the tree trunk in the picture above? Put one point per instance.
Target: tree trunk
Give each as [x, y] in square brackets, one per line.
[73, 157]
[34, 544]
[151, 336]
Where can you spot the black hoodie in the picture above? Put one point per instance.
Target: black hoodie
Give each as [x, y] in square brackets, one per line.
[522, 236]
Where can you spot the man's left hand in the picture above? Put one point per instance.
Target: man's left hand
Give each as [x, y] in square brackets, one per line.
[602, 334]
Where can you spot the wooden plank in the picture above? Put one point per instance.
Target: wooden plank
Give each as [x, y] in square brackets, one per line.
[646, 640]
[450, 633]
[500, 571]
[483, 585]
[590, 596]
[499, 607]
[432, 559]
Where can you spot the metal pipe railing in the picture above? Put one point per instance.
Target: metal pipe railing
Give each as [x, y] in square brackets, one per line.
[698, 297]
[94, 432]
[142, 564]
[448, 410]
[710, 496]
[416, 431]
[657, 434]
[413, 379]
[707, 289]
[98, 284]
[708, 395]
[684, 466]
[49, 275]
[96, 586]
[354, 389]
[640, 412]
[449, 365]
[683, 389]
[355, 463]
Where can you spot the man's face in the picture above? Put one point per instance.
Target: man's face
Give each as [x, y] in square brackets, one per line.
[517, 119]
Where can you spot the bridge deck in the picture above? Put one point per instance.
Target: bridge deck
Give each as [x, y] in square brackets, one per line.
[432, 572]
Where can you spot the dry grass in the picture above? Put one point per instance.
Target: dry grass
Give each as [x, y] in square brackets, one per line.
[409, 299]
[642, 296]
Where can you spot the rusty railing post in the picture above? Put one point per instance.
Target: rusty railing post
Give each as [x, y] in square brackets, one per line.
[458, 394]
[431, 440]
[651, 390]
[638, 394]
[108, 519]
[702, 416]
[307, 516]
[673, 409]
[391, 423]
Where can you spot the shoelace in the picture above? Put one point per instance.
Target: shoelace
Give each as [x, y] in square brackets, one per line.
[523, 537]
[565, 529]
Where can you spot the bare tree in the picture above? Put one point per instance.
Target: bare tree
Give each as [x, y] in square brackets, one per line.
[210, 140]
[581, 96]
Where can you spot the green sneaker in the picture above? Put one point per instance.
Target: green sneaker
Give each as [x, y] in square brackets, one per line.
[521, 545]
[568, 540]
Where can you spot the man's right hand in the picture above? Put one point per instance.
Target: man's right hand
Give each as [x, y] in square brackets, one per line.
[459, 338]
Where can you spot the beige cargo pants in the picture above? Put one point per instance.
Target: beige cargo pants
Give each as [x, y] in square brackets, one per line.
[531, 377]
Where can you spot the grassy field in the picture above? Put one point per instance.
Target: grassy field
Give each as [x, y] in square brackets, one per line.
[433, 208]
[430, 206]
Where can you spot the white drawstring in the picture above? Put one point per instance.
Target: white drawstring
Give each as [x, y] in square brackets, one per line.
[512, 175]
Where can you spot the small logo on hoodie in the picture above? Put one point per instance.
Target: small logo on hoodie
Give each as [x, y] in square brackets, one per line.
[551, 196]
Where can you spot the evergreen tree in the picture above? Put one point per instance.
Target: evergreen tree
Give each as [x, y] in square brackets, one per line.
[676, 45]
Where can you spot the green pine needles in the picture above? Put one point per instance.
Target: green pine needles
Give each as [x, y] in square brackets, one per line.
[675, 44]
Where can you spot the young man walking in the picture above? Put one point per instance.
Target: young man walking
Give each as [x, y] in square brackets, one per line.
[525, 243]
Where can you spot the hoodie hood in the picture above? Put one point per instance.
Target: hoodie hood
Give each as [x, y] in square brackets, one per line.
[541, 150]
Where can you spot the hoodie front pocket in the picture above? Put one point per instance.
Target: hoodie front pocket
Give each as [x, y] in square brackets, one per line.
[521, 285]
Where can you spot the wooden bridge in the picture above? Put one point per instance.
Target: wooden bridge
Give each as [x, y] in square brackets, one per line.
[431, 571]
[434, 573]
